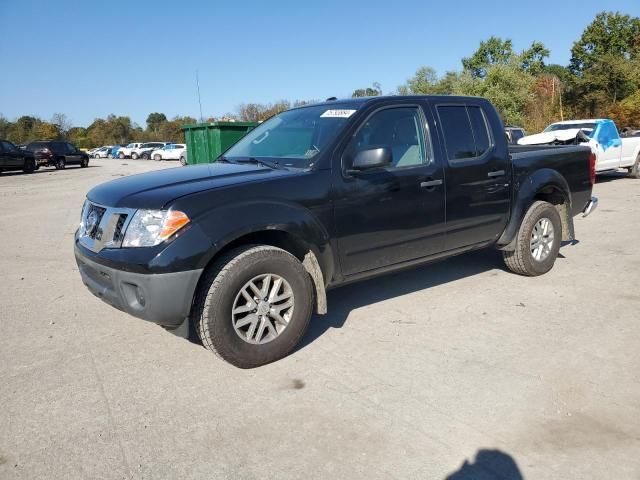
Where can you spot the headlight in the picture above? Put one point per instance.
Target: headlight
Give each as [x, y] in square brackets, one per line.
[150, 227]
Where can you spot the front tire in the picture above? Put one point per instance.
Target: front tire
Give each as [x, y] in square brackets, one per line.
[121, 156]
[183, 161]
[253, 305]
[157, 158]
[537, 242]
[134, 156]
[634, 172]
[84, 163]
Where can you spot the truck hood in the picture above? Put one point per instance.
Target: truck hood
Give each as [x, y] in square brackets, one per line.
[154, 190]
[549, 137]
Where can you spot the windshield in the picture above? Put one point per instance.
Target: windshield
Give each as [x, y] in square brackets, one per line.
[585, 127]
[293, 137]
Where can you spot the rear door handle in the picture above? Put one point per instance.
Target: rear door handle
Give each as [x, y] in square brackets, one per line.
[430, 183]
[496, 173]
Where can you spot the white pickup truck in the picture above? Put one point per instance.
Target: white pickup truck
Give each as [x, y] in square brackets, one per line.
[125, 152]
[612, 151]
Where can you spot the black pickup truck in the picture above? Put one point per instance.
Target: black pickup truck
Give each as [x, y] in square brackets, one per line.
[319, 196]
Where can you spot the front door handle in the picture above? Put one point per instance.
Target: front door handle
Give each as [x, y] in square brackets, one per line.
[496, 173]
[430, 183]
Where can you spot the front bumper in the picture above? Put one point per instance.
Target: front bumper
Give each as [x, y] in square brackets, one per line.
[163, 298]
[591, 205]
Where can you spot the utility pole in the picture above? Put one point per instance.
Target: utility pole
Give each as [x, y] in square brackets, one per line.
[199, 100]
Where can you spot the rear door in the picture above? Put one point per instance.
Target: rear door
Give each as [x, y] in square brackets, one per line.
[11, 156]
[478, 172]
[3, 161]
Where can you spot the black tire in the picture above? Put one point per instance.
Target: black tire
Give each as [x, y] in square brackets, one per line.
[521, 260]
[110, 156]
[183, 161]
[634, 172]
[134, 156]
[211, 312]
[157, 157]
[29, 165]
[60, 163]
[145, 156]
[84, 163]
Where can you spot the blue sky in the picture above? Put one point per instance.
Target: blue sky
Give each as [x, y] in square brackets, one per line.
[91, 58]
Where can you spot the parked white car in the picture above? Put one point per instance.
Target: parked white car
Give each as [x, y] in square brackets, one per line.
[612, 152]
[125, 152]
[145, 149]
[172, 151]
[102, 152]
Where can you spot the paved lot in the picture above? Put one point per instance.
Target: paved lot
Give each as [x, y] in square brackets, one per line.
[409, 376]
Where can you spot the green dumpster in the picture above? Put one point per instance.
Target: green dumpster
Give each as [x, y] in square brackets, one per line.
[206, 141]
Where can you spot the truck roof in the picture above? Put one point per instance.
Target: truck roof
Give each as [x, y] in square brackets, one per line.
[360, 101]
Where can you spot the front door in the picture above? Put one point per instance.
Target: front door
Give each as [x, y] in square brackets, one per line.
[390, 215]
[478, 174]
[608, 146]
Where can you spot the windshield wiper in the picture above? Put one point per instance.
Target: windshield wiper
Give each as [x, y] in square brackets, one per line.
[257, 161]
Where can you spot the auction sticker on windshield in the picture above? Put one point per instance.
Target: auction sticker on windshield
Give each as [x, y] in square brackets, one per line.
[337, 114]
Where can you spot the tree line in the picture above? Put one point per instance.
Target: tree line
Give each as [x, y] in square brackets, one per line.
[602, 79]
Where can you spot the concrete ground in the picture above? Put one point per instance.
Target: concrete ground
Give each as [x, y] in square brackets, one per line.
[457, 370]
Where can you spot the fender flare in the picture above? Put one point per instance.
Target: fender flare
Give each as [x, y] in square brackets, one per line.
[228, 225]
[543, 182]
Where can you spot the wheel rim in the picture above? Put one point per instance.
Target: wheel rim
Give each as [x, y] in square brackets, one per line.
[262, 309]
[541, 241]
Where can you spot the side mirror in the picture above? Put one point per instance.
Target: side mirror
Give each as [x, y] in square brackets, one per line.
[370, 158]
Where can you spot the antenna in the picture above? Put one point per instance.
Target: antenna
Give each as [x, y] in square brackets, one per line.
[199, 100]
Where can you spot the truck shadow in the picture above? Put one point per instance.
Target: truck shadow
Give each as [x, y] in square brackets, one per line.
[611, 176]
[343, 300]
[488, 465]
[42, 170]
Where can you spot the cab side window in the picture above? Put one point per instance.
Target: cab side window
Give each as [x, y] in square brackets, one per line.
[465, 131]
[399, 130]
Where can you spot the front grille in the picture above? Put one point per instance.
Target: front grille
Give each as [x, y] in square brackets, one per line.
[97, 231]
[105, 228]
[118, 234]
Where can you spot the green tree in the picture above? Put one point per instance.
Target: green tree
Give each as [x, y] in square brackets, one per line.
[373, 91]
[494, 51]
[605, 63]
[532, 59]
[154, 121]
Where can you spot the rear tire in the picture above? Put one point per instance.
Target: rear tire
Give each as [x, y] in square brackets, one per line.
[215, 313]
[183, 161]
[29, 166]
[537, 242]
[134, 156]
[60, 163]
[121, 156]
[634, 172]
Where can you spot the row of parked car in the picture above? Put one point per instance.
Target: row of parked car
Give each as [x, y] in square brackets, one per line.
[32, 156]
[145, 151]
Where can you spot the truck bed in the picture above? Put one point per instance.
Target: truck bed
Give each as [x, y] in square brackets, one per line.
[572, 161]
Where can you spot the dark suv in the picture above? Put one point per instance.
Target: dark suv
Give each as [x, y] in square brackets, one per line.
[12, 158]
[58, 154]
